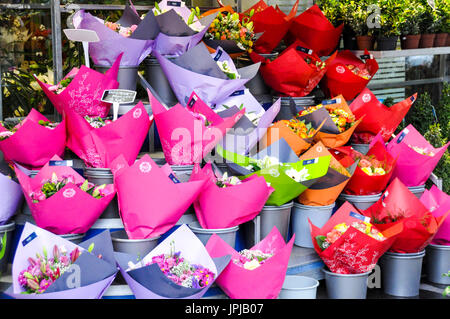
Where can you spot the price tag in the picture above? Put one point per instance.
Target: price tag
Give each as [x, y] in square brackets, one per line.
[237, 93]
[329, 102]
[305, 50]
[310, 161]
[174, 3]
[174, 179]
[402, 136]
[366, 56]
[192, 101]
[84, 36]
[61, 163]
[117, 97]
[218, 55]
[30, 237]
[360, 217]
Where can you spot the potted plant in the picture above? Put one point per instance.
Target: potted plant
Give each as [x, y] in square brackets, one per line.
[333, 11]
[388, 32]
[409, 24]
[355, 15]
[428, 22]
[442, 23]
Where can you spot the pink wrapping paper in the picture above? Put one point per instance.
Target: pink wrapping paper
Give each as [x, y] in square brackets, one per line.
[438, 203]
[84, 93]
[98, 147]
[32, 145]
[413, 168]
[264, 282]
[231, 206]
[150, 202]
[185, 139]
[70, 210]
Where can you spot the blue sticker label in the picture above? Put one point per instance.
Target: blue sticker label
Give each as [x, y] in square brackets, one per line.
[412, 98]
[310, 161]
[366, 56]
[174, 179]
[303, 49]
[358, 216]
[192, 101]
[27, 240]
[174, 3]
[218, 55]
[401, 137]
[329, 102]
[61, 163]
[236, 93]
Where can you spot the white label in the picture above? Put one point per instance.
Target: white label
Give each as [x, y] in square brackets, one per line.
[137, 113]
[81, 35]
[145, 167]
[340, 69]
[366, 98]
[69, 193]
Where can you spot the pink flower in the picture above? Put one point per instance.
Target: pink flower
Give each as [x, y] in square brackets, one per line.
[64, 260]
[44, 284]
[133, 27]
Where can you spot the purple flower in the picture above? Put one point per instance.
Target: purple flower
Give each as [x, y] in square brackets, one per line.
[44, 284]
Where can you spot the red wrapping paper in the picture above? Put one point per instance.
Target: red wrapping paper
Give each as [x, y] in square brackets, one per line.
[339, 79]
[419, 224]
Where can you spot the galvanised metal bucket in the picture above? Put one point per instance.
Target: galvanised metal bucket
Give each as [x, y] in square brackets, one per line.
[361, 202]
[227, 234]
[299, 287]
[438, 263]
[417, 190]
[127, 76]
[346, 286]
[278, 216]
[286, 113]
[100, 176]
[157, 79]
[135, 247]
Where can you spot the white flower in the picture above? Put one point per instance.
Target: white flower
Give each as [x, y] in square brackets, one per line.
[250, 265]
[298, 176]
[253, 117]
[268, 161]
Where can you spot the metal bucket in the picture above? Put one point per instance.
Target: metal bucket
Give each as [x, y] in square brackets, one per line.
[6, 235]
[227, 234]
[25, 208]
[299, 287]
[183, 172]
[278, 216]
[346, 286]
[361, 202]
[417, 190]
[438, 263]
[285, 109]
[157, 79]
[127, 76]
[362, 148]
[136, 247]
[318, 215]
[100, 176]
[257, 86]
[74, 238]
[401, 273]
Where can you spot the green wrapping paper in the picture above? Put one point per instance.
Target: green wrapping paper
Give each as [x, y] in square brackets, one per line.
[286, 188]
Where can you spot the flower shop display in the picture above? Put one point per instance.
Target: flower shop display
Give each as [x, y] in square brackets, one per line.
[247, 277]
[226, 201]
[179, 267]
[112, 44]
[326, 190]
[350, 243]
[280, 167]
[378, 118]
[98, 147]
[207, 125]
[314, 29]
[416, 157]
[33, 144]
[12, 196]
[197, 70]
[44, 265]
[399, 205]
[295, 72]
[144, 187]
[84, 91]
[348, 75]
[57, 194]
[339, 125]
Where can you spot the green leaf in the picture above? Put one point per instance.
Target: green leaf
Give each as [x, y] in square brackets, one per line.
[91, 247]
[320, 240]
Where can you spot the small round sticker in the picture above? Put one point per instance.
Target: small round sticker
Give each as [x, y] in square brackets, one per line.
[145, 167]
[69, 193]
[366, 98]
[340, 69]
[137, 113]
[319, 149]
[274, 173]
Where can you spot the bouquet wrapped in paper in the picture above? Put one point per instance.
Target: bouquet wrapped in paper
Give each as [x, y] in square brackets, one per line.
[98, 142]
[378, 118]
[250, 128]
[255, 273]
[314, 29]
[295, 72]
[416, 157]
[438, 203]
[326, 190]
[339, 125]
[12, 195]
[81, 90]
[33, 141]
[197, 70]
[124, 36]
[348, 75]
[179, 267]
[280, 167]
[272, 23]
[399, 205]
[373, 170]
[47, 266]
[151, 199]
[62, 201]
[297, 133]
[226, 201]
[189, 133]
[350, 243]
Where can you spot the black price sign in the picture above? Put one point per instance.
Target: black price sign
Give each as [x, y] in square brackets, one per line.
[118, 96]
[174, 3]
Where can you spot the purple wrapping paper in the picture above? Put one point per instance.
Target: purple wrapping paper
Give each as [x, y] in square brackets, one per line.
[11, 197]
[196, 70]
[191, 249]
[97, 273]
[111, 43]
